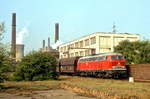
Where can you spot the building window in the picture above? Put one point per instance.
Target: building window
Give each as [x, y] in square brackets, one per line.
[87, 42]
[76, 54]
[61, 49]
[86, 52]
[72, 54]
[117, 40]
[81, 53]
[105, 41]
[93, 51]
[68, 46]
[81, 43]
[93, 40]
[65, 48]
[76, 44]
[72, 45]
[132, 38]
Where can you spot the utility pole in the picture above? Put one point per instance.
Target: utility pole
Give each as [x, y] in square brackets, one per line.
[114, 28]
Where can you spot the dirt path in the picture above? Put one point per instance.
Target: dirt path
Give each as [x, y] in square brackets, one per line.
[50, 94]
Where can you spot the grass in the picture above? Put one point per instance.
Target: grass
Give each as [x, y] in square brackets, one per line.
[123, 88]
[29, 86]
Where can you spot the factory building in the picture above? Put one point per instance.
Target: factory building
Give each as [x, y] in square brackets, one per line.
[94, 43]
[49, 49]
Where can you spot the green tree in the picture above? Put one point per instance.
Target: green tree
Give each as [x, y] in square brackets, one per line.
[2, 26]
[5, 61]
[137, 52]
[1, 52]
[37, 66]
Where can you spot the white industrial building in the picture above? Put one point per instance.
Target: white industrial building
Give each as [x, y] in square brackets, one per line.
[94, 43]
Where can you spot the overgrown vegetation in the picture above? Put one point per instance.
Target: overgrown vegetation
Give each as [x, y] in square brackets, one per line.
[2, 30]
[137, 90]
[137, 52]
[5, 61]
[28, 86]
[5, 64]
[36, 66]
[110, 87]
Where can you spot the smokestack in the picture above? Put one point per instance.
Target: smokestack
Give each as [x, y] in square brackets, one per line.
[19, 52]
[48, 41]
[43, 43]
[56, 32]
[13, 42]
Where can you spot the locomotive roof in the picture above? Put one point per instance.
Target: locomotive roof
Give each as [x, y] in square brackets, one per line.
[101, 54]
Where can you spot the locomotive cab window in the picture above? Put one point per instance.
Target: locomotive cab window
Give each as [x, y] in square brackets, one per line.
[120, 58]
[81, 60]
[93, 59]
[117, 57]
[114, 57]
[104, 58]
[100, 58]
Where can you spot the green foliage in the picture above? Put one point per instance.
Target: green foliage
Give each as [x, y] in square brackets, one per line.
[137, 52]
[36, 66]
[5, 63]
[3, 56]
[2, 26]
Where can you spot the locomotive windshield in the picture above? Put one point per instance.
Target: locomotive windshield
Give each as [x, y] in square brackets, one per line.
[117, 57]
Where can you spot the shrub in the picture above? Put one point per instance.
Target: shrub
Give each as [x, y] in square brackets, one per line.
[36, 66]
[5, 63]
[137, 52]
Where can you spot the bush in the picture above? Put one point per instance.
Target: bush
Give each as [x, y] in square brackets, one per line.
[5, 63]
[137, 52]
[36, 66]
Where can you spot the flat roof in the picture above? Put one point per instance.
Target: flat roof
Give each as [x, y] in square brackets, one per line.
[97, 33]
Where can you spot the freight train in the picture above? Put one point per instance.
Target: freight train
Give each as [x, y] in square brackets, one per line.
[112, 65]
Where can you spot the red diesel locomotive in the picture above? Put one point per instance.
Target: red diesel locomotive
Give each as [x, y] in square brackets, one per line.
[101, 65]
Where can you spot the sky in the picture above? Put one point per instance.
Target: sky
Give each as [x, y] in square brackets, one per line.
[75, 17]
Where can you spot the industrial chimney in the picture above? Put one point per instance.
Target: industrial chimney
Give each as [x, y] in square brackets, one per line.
[49, 42]
[19, 52]
[56, 32]
[13, 41]
[43, 44]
